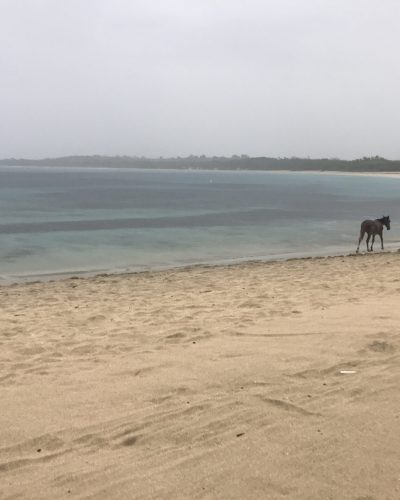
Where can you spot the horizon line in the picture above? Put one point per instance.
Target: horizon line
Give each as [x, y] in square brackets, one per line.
[197, 157]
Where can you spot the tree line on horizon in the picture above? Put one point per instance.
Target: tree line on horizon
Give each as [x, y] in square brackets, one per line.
[235, 162]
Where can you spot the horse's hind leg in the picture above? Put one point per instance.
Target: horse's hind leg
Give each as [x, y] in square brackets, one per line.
[360, 240]
[368, 238]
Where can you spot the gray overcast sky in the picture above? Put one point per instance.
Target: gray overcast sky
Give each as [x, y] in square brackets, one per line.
[315, 78]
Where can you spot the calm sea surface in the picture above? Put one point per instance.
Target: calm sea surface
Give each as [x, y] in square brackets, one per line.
[56, 220]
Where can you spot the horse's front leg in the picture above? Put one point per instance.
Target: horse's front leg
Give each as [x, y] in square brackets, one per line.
[381, 237]
[372, 244]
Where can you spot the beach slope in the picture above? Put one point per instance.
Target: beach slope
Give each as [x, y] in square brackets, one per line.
[258, 380]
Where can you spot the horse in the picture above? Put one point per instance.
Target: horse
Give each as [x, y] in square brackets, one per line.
[372, 228]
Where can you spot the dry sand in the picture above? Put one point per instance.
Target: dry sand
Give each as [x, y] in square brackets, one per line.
[209, 382]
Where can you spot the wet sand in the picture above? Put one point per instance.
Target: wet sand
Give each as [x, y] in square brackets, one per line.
[257, 380]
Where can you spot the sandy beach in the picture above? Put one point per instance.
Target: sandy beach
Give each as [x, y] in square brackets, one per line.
[257, 380]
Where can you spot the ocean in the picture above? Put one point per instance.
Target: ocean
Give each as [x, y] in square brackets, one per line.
[58, 221]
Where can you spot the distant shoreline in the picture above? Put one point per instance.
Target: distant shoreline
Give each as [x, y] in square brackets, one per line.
[394, 175]
[364, 173]
[374, 164]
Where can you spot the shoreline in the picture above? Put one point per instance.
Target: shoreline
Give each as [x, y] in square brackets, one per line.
[51, 277]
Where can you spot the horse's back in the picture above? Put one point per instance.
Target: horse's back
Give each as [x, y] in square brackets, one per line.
[371, 226]
[365, 224]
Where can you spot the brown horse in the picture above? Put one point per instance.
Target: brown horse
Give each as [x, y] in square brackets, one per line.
[372, 228]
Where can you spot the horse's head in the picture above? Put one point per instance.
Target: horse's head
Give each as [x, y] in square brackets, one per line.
[386, 221]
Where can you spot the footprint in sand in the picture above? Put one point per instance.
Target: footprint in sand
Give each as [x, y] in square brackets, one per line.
[381, 346]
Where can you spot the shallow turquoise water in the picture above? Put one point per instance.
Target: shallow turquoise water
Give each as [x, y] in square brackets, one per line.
[57, 220]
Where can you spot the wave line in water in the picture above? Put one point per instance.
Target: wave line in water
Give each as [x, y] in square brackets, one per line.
[253, 217]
